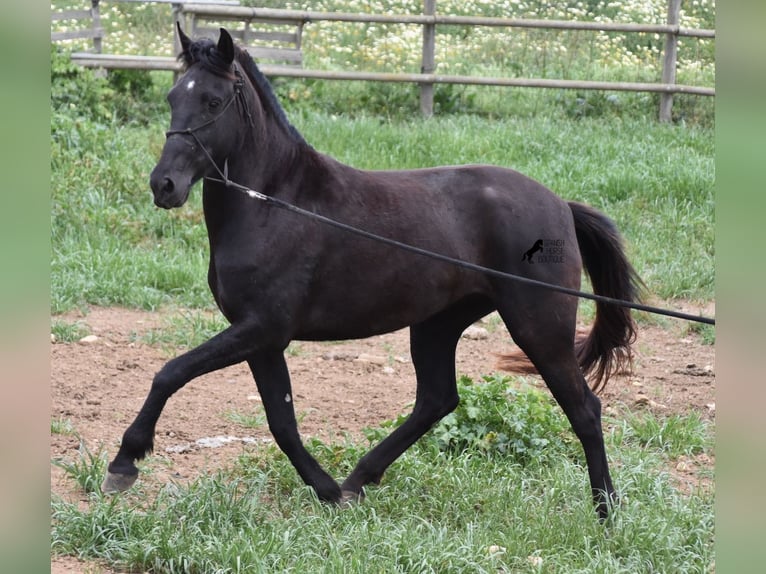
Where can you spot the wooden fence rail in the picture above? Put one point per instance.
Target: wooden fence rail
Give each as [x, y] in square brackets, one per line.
[199, 13]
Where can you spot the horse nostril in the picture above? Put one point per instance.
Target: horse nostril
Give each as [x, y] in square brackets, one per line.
[161, 185]
[167, 185]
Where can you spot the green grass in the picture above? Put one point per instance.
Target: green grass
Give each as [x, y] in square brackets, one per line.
[435, 511]
[62, 426]
[87, 470]
[489, 490]
[255, 419]
[495, 487]
[68, 332]
[673, 436]
[706, 333]
[184, 330]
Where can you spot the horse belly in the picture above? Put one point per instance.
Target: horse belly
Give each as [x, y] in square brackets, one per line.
[366, 304]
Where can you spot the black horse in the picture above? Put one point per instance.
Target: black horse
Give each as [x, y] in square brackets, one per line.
[278, 276]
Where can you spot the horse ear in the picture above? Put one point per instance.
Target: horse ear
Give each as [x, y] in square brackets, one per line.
[185, 43]
[226, 46]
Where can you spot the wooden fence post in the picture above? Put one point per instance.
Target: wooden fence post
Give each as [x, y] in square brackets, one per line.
[96, 16]
[670, 60]
[428, 61]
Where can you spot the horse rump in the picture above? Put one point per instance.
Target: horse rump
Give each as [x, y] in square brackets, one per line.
[605, 349]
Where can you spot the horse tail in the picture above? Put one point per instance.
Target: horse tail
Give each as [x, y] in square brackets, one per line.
[606, 348]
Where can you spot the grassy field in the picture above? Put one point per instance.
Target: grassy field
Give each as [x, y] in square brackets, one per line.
[112, 247]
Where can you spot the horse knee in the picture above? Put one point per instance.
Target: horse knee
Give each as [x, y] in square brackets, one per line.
[435, 408]
[285, 434]
[449, 405]
[167, 381]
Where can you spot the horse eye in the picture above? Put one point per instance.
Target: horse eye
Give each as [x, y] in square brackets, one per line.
[214, 103]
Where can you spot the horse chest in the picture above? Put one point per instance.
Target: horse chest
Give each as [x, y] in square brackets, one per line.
[257, 284]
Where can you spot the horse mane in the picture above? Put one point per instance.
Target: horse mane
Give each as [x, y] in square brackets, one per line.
[268, 98]
[205, 53]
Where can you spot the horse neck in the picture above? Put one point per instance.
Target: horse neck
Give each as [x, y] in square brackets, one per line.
[271, 150]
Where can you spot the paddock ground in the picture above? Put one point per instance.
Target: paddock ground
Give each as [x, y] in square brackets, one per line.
[339, 388]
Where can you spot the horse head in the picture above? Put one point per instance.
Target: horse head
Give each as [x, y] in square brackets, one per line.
[205, 128]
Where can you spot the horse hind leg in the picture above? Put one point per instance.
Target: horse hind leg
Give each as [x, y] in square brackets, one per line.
[547, 338]
[432, 346]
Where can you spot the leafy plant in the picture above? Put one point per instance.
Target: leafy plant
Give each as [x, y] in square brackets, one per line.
[76, 91]
[89, 95]
[494, 418]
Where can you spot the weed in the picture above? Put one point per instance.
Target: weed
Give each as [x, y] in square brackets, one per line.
[497, 419]
[87, 470]
[68, 332]
[62, 426]
[674, 436]
[706, 333]
[294, 349]
[184, 330]
[255, 419]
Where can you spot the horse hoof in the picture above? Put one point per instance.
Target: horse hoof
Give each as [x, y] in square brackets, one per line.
[117, 482]
[350, 498]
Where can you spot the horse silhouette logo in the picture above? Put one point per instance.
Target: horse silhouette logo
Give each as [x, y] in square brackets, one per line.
[538, 246]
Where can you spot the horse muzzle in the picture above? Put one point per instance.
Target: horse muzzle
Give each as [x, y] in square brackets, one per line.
[169, 192]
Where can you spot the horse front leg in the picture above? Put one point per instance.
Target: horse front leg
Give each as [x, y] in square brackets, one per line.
[229, 347]
[273, 380]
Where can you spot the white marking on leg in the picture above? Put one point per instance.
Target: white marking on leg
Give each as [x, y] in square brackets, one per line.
[288, 398]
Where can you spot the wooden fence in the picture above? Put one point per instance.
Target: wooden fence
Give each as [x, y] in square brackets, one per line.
[196, 14]
[88, 25]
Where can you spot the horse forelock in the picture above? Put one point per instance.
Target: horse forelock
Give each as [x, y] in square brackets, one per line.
[205, 53]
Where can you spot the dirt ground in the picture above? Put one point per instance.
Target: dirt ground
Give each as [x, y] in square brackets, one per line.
[97, 388]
